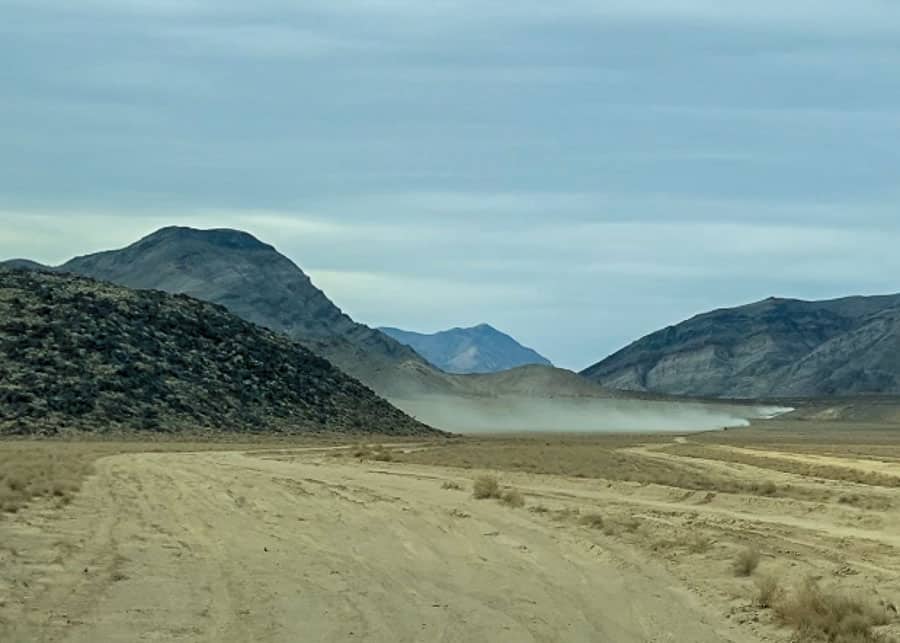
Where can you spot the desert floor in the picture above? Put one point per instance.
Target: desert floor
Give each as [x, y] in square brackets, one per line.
[621, 539]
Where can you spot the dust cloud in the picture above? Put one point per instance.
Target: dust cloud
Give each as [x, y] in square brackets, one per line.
[517, 414]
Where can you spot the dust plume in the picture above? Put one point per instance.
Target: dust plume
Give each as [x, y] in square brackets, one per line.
[512, 414]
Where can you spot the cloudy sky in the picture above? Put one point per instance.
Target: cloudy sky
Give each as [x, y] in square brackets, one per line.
[578, 173]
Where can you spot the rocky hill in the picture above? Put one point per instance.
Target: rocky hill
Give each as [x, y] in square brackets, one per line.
[76, 354]
[255, 282]
[772, 348]
[481, 349]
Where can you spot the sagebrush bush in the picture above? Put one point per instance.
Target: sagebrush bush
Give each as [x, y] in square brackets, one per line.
[767, 591]
[592, 520]
[830, 616]
[486, 487]
[512, 498]
[746, 561]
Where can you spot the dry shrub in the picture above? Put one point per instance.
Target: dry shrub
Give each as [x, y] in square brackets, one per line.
[768, 591]
[767, 488]
[593, 520]
[746, 562]
[835, 617]
[486, 487]
[35, 470]
[361, 451]
[512, 498]
[451, 485]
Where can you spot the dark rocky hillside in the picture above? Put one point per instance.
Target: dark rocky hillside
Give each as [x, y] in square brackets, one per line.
[90, 356]
[772, 348]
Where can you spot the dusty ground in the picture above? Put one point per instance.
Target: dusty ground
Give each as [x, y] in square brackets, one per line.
[319, 544]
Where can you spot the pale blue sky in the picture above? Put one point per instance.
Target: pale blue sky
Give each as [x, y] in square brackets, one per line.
[575, 173]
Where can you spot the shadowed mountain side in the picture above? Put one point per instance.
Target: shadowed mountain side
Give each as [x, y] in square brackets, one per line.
[91, 356]
[772, 348]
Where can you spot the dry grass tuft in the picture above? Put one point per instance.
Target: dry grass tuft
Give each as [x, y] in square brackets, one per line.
[768, 591]
[835, 617]
[486, 487]
[512, 498]
[766, 488]
[30, 470]
[592, 520]
[746, 562]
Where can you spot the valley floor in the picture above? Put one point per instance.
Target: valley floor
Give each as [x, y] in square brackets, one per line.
[331, 544]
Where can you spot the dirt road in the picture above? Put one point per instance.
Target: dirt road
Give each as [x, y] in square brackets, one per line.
[242, 547]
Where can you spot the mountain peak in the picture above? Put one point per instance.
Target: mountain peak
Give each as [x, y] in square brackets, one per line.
[479, 349]
[220, 237]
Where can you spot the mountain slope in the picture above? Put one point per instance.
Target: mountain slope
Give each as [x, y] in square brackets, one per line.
[772, 348]
[84, 355]
[481, 349]
[255, 282]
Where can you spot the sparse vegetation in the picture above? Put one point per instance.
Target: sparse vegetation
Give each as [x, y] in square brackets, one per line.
[592, 520]
[512, 498]
[818, 615]
[765, 488]
[768, 591]
[54, 470]
[746, 561]
[597, 457]
[785, 465]
[486, 486]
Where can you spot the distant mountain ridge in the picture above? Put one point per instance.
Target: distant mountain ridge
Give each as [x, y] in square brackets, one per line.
[771, 348]
[480, 349]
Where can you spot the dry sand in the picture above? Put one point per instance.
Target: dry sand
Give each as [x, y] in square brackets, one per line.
[301, 545]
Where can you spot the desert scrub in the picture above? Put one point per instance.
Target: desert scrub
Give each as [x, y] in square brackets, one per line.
[512, 498]
[592, 520]
[830, 616]
[746, 562]
[486, 487]
[768, 591]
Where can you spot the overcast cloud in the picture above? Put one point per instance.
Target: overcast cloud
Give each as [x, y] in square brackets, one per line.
[576, 173]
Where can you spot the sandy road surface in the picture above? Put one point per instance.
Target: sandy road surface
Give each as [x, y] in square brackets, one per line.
[234, 547]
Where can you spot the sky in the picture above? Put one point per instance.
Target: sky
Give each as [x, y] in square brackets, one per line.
[576, 173]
